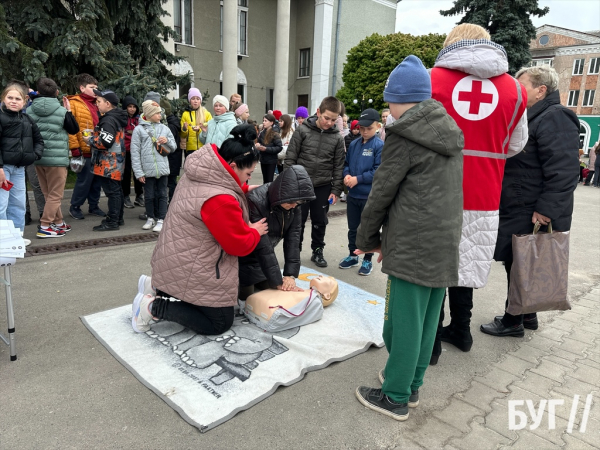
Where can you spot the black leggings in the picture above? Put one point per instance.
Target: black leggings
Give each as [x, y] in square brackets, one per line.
[268, 172]
[201, 319]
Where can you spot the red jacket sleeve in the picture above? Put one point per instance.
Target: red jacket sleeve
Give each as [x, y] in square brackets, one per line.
[223, 218]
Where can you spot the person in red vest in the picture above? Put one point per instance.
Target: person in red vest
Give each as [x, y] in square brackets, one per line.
[470, 79]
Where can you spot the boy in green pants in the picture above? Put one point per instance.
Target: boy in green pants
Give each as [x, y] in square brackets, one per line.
[417, 198]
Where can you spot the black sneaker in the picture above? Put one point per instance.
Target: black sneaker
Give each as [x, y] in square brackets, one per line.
[105, 226]
[143, 217]
[413, 400]
[97, 212]
[76, 213]
[139, 201]
[127, 203]
[317, 258]
[376, 400]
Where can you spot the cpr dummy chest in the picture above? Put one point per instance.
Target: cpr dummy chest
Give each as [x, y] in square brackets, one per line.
[274, 310]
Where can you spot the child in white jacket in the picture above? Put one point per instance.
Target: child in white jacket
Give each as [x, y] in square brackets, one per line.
[151, 142]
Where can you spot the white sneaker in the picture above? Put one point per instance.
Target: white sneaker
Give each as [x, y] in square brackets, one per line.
[145, 286]
[27, 242]
[149, 224]
[141, 317]
[158, 227]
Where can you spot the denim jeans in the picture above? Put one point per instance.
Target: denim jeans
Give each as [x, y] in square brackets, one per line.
[201, 319]
[156, 188]
[354, 211]
[12, 203]
[114, 193]
[87, 187]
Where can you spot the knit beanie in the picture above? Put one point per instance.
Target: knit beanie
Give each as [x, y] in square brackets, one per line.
[277, 113]
[241, 110]
[302, 112]
[409, 82]
[222, 100]
[194, 92]
[154, 96]
[149, 109]
[166, 105]
[354, 125]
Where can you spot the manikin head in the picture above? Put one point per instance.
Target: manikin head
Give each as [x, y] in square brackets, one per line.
[327, 287]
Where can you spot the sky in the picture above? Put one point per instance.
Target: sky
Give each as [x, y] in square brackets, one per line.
[422, 16]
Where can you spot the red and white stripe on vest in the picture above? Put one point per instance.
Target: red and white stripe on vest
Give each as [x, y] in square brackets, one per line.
[487, 111]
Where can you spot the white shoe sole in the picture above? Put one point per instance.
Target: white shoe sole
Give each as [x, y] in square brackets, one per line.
[136, 307]
[378, 409]
[410, 404]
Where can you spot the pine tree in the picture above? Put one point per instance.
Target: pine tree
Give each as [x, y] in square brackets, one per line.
[508, 22]
[119, 42]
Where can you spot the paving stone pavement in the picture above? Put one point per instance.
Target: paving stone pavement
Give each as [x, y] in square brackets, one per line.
[561, 362]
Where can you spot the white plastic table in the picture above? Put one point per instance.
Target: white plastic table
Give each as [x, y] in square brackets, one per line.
[6, 264]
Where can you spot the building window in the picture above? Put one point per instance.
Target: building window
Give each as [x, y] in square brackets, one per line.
[588, 97]
[242, 27]
[304, 63]
[578, 66]
[594, 66]
[269, 100]
[541, 62]
[182, 16]
[303, 100]
[573, 98]
[544, 39]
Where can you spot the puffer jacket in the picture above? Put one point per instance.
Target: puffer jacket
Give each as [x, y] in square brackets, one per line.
[290, 186]
[320, 152]
[49, 116]
[543, 177]
[21, 142]
[188, 262]
[145, 160]
[219, 128]
[269, 156]
[84, 118]
[194, 139]
[417, 198]
[108, 159]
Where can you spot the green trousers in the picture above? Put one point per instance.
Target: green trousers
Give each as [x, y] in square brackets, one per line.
[412, 313]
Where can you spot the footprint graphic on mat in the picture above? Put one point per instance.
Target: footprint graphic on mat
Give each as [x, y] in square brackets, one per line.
[237, 351]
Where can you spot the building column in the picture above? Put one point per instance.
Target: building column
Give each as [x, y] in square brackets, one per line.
[230, 47]
[321, 60]
[282, 56]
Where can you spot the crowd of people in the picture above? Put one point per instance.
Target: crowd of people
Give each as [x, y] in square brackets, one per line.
[434, 186]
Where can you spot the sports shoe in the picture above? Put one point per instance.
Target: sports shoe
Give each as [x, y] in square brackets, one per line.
[49, 232]
[139, 200]
[105, 226]
[76, 213]
[26, 242]
[348, 261]
[376, 400]
[158, 227]
[97, 212]
[413, 400]
[127, 203]
[366, 268]
[317, 258]
[150, 223]
[143, 217]
[145, 286]
[62, 227]
[141, 317]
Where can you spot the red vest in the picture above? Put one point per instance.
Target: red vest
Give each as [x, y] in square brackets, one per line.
[487, 111]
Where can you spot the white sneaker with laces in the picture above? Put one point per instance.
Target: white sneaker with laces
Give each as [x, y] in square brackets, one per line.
[141, 317]
[158, 227]
[149, 224]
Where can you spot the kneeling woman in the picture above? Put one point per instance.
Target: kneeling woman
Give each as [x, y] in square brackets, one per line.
[205, 230]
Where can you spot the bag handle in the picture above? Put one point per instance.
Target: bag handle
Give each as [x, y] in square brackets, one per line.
[537, 226]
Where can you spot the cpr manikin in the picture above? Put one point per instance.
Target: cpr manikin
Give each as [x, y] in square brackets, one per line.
[275, 310]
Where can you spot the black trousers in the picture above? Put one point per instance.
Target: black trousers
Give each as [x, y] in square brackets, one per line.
[201, 319]
[171, 185]
[156, 197]
[126, 180]
[318, 209]
[268, 171]
[509, 320]
[354, 209]
[114, 193]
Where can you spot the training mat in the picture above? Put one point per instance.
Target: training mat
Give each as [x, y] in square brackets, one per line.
[209, 379]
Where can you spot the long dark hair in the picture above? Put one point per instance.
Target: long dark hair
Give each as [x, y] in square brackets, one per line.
[287, 124]
[270, 134]
[240, 147]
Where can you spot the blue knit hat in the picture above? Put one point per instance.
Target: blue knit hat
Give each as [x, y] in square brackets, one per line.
[302, 112]
[409, 82]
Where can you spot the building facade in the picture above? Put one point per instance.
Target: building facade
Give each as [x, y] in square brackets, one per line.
[576, 57]
[277, 54]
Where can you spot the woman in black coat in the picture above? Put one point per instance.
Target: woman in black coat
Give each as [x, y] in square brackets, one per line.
[539, 182]
[269, 145]
[277, 203]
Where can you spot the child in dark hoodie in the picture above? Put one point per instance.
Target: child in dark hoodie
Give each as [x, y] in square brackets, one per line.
[133, 117]
[175, 157]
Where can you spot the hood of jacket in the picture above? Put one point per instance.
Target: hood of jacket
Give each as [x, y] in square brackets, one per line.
[311, 122]
[225, 117]
[119, 116]
[425, 124]
[207, 167]
[291, 185]
[174, 121]
[481, 57]
[129, 100]
[45, 106]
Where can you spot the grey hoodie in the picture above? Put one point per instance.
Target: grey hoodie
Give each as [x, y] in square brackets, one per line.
[145, 160]
[417, 198]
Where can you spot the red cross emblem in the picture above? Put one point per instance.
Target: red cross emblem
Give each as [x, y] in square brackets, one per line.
[475, 97]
